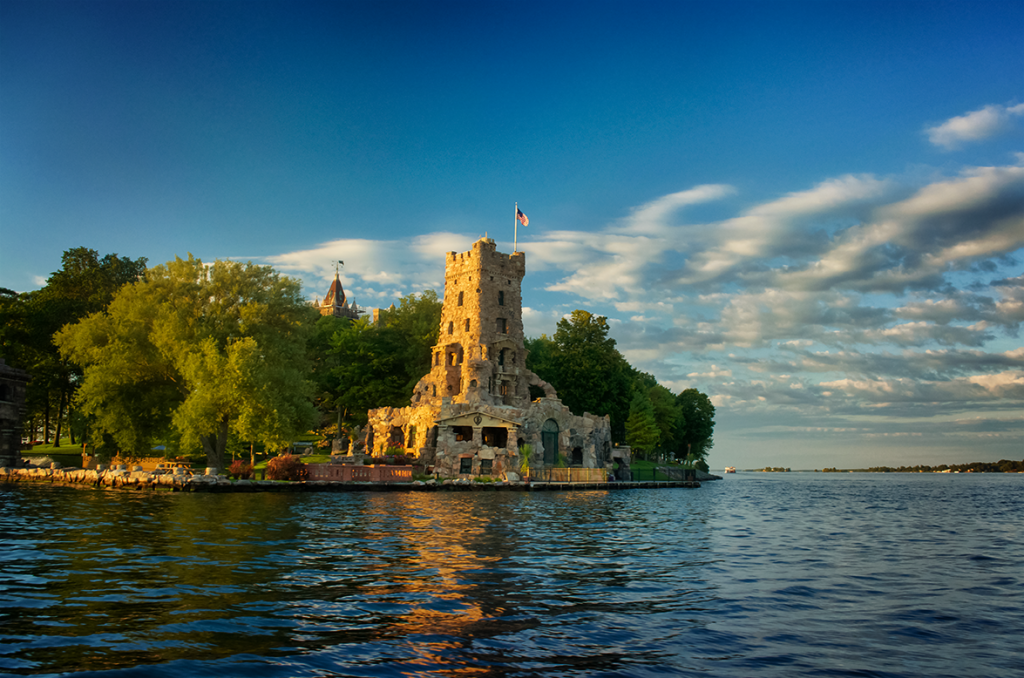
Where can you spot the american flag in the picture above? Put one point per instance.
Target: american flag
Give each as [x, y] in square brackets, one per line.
[523, 219]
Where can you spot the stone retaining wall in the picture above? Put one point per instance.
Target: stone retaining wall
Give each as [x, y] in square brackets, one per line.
[141, 480]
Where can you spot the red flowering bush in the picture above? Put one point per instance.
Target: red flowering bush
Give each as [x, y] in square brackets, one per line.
[287, 467]
[240, 469]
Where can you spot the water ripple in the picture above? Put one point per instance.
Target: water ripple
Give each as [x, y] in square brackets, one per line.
[759, 574]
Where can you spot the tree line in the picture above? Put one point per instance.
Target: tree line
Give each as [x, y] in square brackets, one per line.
[1001, 466]
[229, 355]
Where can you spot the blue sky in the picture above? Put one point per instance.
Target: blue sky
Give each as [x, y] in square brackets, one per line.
[813, 212]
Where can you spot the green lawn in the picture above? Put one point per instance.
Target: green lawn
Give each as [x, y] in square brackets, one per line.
[647, 470]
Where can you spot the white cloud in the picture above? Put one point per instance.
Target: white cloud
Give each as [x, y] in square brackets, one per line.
[652, 218]
[974, 126]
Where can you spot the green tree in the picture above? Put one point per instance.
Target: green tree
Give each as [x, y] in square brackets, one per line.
[642, 433]
[85, 284]
[586, 369]
[669, 416]
[324, 361]
[199, 351]
[378, 364]
[698, 432]
[417, 318]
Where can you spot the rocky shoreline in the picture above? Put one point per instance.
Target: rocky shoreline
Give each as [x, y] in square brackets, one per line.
[124, 479]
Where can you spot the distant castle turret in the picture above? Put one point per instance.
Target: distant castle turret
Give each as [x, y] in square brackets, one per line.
[335, 304]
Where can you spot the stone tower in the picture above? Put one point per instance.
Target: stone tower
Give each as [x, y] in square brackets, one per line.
[480, 355]
[472, 413]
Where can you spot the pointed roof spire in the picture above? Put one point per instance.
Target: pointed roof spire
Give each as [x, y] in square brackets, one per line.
[335, 295]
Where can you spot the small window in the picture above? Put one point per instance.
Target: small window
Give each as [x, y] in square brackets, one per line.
[466, 465]
[501, 297]
[434, 389]
[494, 436]
[485, 466]
[460, 298]
[411, 442]
[502, 326]
[467, 324]
[451, 328]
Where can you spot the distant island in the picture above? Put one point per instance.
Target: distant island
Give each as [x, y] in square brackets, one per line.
[1001, 466]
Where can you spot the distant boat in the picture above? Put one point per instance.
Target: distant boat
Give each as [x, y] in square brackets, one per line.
[730, 469]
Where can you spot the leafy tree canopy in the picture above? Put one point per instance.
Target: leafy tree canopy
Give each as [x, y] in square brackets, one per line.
[586, 369]
[378, 364]
[699, 413]
[28, 322]
[200, 351]
[590, 375]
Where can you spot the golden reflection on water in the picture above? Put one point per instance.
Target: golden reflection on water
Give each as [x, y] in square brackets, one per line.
[465, 545]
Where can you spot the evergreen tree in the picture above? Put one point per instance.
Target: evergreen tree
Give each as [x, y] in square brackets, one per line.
[642, 433]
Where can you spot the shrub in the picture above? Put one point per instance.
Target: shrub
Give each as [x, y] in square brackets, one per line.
[240, 469]
[524, 459]
[287, 467]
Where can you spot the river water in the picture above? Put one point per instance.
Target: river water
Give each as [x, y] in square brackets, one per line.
[758, 574]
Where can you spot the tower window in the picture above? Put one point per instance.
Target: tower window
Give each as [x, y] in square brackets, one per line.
[501, 297]
[502, 326]
[451, 328]
[467, 324]
[460, 298]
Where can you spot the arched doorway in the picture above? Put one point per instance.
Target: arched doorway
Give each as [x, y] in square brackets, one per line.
[549, 438]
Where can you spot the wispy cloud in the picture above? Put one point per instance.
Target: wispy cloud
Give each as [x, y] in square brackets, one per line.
[974, 126]
[858, 307]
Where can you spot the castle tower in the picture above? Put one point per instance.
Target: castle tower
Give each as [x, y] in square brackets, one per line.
[480, 355]
[471, 413]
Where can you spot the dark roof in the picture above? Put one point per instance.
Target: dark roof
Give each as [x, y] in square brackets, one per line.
[335, 295]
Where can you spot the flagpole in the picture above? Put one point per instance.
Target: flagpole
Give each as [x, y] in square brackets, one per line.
[515, 225]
